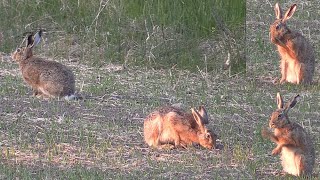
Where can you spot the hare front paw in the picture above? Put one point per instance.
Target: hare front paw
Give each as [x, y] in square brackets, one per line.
[276, 151]
[282, 80]
[36, 92]
[265, 133]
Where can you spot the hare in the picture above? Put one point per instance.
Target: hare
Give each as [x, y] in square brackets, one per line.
[172, 125]
[48, 79]
[297, 56]
[297, 150]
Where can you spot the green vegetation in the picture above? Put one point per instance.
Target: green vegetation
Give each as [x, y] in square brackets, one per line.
[156, 33]
[130, 57]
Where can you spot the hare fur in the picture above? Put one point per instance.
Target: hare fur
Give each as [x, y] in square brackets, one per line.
[297, 56]
[293, 142]
[48, 79]
[171, 125]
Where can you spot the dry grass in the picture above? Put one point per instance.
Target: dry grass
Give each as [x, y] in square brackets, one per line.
[101, 137]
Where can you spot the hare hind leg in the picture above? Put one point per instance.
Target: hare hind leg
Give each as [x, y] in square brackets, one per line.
[36, 93]
[153, 131]
[40, 95]
[51, 89]
[152, 138]
[166, 146]
[44, 93]
[299, 69]
[304, 167]
[284, 69]
[300, 164]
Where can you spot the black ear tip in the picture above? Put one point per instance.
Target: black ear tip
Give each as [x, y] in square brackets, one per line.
[30, 37]
[30, 40]
[41, 31]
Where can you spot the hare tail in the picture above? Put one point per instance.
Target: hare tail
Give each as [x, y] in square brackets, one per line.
[73, 97]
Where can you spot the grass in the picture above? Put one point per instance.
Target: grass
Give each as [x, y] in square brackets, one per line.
[158, 34]
[101, 137]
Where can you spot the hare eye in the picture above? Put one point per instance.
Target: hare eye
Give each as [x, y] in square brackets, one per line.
[18, 50]
[280, 116]
[208, 135]
[278, 26]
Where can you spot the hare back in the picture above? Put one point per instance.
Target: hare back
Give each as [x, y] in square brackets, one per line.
[173, 115]
[167, 124]
[49, 77]
[46, 70]
[297, 48]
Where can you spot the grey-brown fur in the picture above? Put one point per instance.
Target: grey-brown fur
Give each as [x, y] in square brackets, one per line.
[48, 79]
[293, 142]
[297, 55]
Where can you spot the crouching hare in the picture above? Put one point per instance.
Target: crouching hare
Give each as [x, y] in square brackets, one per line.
[48, 79]
[297, 55]
[294, 144]
[171, 125]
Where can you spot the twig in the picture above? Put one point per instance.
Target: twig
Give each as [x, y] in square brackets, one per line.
[100, 10]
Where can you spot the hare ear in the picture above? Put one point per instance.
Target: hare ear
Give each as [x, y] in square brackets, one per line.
[29, 42]
[291, 103]
[278, 11]
[204, 116]
[290, 12]
[197, 117]
[37, 38]
[279, 101]
[34, 39]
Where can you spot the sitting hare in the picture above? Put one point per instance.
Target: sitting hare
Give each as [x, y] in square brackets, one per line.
[171, 125]
[297, 55]
[297, 151]
[48, 79]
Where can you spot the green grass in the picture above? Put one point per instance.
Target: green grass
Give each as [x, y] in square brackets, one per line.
[159, 34]
[102, 136]
[123, 78]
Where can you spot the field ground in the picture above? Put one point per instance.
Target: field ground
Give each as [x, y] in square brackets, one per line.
[101, 137]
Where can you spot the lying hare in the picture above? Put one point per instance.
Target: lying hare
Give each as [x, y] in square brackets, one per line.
[48, 79]
[297, 151]
[297, 55]
[171, 125]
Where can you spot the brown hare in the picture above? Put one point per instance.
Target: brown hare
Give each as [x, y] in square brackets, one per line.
[294, 144]
[297, 56]
[48, 79]
[172, 125]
